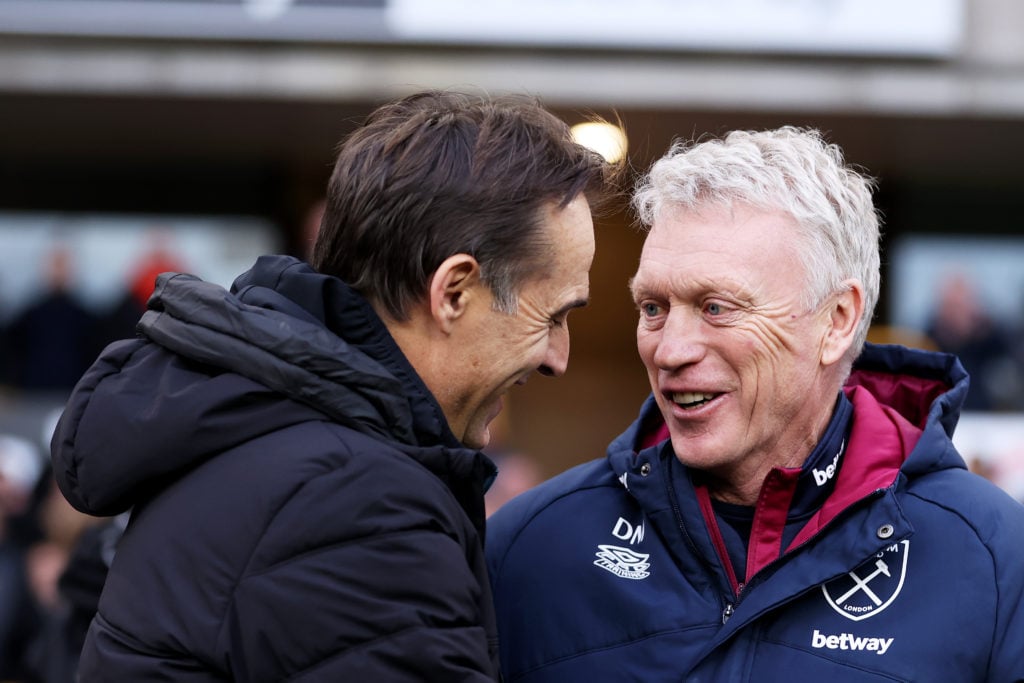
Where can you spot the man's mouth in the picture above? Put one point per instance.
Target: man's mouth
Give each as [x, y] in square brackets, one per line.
[691, 399]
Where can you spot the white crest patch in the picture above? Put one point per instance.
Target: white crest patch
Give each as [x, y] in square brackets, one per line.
[872, 587]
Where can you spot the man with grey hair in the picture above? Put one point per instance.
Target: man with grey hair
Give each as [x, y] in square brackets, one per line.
[789, 504]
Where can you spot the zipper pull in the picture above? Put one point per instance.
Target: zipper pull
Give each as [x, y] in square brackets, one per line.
[727, 612]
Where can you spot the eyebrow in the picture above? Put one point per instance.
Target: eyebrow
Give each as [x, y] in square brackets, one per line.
[637, 288]
[577, 303]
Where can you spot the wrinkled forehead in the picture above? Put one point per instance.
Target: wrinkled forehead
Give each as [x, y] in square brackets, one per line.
[720, 225]
[723, 241]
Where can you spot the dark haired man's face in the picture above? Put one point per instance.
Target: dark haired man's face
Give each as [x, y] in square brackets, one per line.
[500, 350]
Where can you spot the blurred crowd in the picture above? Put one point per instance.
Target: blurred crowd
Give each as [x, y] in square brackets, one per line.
[52, 558]
[990, 349]
[54, 337]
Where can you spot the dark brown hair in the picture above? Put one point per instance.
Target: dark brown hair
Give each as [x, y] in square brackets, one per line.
[440, 173]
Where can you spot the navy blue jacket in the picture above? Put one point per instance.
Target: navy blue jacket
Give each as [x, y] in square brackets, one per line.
[909, 569]
[301, 510]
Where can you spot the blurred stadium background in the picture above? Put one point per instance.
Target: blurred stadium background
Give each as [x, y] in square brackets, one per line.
[205, 129]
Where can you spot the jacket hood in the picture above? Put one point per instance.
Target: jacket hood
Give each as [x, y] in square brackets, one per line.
[925, 388]
[213, 369]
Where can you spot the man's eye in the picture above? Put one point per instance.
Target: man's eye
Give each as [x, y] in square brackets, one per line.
[714, 309]
[650, 310]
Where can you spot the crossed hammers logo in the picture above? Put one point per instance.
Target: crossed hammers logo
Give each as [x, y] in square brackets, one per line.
[887, 578]
[862, 584]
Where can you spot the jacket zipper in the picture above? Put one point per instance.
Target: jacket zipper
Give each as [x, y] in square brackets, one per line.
[727, 612]
[728, 607]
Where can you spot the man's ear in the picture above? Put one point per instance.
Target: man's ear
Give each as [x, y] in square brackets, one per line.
[844, 313]
[451, 288]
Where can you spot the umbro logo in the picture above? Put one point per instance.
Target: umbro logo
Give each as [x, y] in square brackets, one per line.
[623, 562]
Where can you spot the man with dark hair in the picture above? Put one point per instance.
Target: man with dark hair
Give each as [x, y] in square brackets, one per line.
[300, 453]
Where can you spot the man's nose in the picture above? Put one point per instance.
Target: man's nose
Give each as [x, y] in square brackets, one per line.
[556, 360]
[681, 341]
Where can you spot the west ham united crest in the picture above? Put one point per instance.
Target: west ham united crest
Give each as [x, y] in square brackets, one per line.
[872, 587]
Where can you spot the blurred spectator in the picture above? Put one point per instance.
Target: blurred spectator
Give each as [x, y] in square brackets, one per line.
[53, 655]
[20, 468]
[62, 526]
[49, 344]
[961, 325]
[59, 632]
[119, 322]
[1016, 341]
[53, 561]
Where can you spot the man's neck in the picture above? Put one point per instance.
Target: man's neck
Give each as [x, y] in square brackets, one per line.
[741, 484]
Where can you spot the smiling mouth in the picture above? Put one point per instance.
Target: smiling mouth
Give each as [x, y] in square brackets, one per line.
[687, 400]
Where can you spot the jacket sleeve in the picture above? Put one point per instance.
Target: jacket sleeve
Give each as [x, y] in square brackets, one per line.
[390, 587]
[1007, 549]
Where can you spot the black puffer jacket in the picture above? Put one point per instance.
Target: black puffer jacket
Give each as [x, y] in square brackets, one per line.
[301, 510]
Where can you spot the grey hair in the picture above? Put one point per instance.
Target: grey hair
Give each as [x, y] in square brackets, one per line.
[789, 169]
